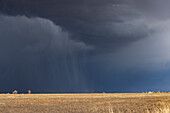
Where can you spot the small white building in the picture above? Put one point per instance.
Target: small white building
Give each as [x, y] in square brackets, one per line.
[150, 92]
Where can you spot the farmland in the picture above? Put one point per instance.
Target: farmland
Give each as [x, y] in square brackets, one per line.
[85, 103]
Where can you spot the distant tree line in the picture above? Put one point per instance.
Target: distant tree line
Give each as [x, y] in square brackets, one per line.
[16, 92]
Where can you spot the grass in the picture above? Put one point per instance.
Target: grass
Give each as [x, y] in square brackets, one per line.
[164, 108]
[85, 103]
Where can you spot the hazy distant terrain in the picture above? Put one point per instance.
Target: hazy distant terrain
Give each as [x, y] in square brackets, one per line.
[85, 103]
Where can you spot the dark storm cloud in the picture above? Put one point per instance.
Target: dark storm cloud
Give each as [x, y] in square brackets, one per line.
[106, 24]
[143, 65]
[159, 9]
[35, 53]
[48, 48]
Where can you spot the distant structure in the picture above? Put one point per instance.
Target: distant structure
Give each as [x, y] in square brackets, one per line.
[29, 91]
[15, 92]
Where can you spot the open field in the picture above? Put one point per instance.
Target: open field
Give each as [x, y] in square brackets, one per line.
[85, 103]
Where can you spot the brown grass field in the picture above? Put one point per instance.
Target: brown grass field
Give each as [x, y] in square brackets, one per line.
[85, 103]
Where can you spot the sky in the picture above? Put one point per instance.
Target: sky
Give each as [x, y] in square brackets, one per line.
[64, 46]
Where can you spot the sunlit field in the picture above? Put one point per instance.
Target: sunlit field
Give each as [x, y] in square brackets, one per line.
[85, 103]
